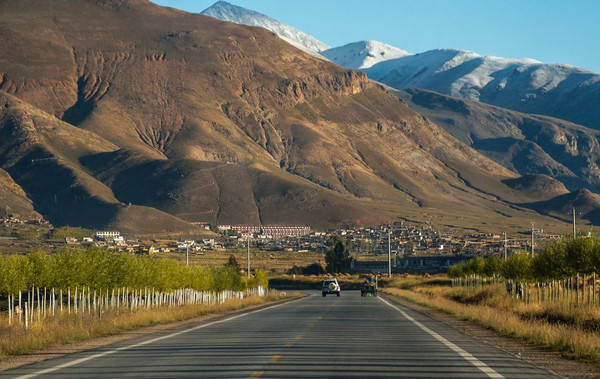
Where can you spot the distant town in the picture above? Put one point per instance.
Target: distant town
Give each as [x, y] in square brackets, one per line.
[413, 248]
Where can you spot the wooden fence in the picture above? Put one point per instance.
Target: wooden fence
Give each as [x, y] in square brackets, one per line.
[39, 303]
[576, 290]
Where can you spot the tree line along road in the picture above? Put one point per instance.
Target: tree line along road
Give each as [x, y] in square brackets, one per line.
[346, 336]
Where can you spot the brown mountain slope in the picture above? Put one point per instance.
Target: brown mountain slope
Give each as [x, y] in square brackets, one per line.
[42, 154]
[527, 144]
[225, 123]
[586, 203]
[537, 187]
[13, 199]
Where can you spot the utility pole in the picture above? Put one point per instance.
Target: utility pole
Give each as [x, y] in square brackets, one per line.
[389, 253]
[574, 231]
[248, 240]
[532, 242]
[505, 247]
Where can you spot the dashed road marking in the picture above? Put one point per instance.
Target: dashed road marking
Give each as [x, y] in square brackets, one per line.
[275, 358]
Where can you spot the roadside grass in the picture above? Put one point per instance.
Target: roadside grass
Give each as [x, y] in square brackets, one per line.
[64, 329]
[558, 326]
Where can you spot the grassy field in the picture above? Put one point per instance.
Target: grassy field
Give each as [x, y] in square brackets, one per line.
[558, 326]
[15, 340]
[274, 262]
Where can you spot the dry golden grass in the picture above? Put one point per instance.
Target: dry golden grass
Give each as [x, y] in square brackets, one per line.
[274, 262]
[15, 340]
[546, 326]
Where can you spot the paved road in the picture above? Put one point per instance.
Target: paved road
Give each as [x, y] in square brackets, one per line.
[317, 336]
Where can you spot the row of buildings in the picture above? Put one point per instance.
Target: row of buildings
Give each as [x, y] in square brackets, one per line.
[266, 231]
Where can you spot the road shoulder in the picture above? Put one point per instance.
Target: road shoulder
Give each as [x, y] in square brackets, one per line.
[548, 359]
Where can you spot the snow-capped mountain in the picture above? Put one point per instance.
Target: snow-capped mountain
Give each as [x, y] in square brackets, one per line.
[228, 12]
[524, 85]
[363, 54]
[466, 74]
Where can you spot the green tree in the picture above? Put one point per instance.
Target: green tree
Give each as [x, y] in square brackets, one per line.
[518, 267]
[475, 266]
[233, 263]
[457, 270]
[552, 263]
[337, 257]
[580, 252]
[493, 266]
[261, 278]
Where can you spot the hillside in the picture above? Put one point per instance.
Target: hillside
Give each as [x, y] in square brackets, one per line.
[204, 120]
[537, 186]
[527, 144]
[587, 206]
[42, 155]
[13, 200]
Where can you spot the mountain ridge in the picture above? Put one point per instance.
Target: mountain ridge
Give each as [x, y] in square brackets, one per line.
[363, 54]
[225, 11]
[208, 121]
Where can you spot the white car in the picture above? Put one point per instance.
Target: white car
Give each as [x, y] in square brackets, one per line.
[331, 286]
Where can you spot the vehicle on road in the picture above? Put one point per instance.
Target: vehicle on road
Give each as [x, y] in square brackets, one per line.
[330, 286]
[368, 287]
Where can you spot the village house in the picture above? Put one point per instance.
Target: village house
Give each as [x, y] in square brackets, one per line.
[107, 235]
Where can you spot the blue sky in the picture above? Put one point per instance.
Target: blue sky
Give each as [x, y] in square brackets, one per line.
[552, 31]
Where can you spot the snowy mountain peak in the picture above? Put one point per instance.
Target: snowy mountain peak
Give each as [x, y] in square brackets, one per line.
[229, 12]
[363, 54]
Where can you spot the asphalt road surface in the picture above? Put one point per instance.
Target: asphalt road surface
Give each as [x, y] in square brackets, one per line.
[346, 336]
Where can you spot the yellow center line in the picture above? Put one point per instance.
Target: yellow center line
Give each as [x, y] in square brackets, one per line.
[275, 358]
[256, 374]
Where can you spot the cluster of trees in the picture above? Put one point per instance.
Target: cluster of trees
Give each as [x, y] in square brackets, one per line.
[337, 257]
[559, 260]
[99, 268]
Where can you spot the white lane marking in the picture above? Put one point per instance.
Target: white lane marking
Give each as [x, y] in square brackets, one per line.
[467, 356]
[104, 353]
